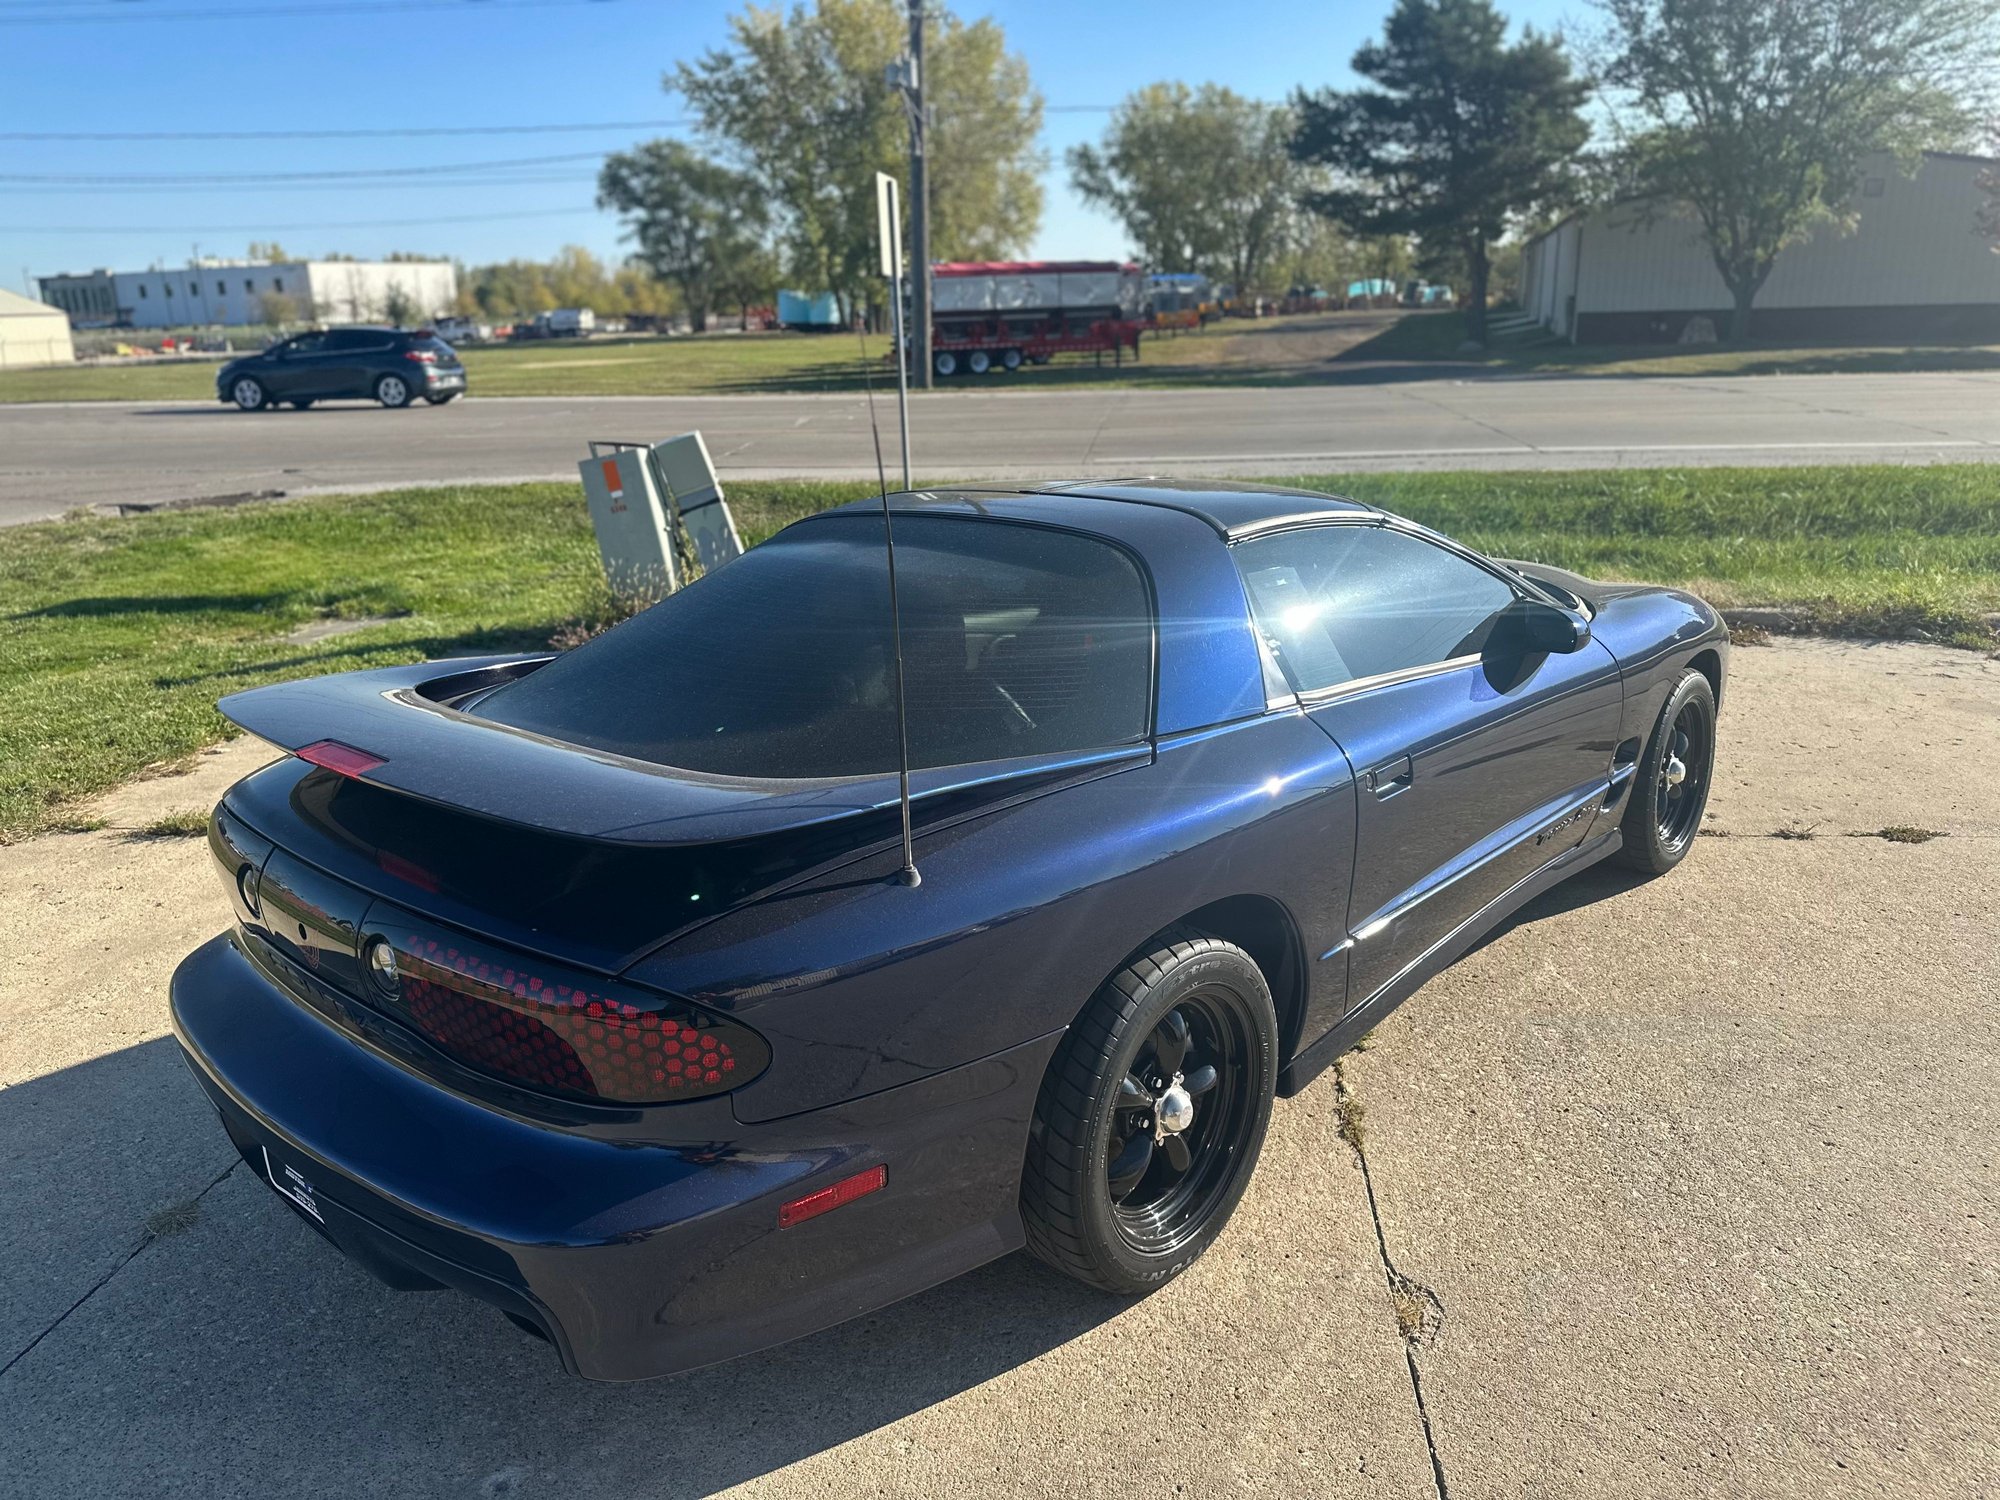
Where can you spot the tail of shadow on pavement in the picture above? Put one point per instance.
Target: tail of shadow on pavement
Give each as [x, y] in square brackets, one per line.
[166, 1314]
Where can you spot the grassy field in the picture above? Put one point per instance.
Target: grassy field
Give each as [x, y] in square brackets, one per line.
[1437, 336]
[710, 364]
[1317, 349]
[118, 636]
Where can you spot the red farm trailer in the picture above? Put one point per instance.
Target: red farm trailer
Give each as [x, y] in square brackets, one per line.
[1001, 314]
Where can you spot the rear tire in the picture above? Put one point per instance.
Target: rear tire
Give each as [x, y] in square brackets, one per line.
[393, 391]
[1010, 359]
[444, 398]
[301, 405]
[978, 361]
[945, 363]
[1670, 786]
[1151, 1115]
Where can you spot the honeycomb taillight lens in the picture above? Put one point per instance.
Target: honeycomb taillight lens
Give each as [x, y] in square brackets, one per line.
[553, 1030]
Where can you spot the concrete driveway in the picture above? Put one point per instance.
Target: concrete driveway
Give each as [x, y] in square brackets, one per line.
[56, 457]
[1673, 1188]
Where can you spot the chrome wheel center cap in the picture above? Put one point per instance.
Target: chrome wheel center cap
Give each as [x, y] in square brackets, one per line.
[1675, 771]
[1175, 1111]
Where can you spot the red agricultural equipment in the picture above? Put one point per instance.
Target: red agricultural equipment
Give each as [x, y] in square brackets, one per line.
[1002, 314]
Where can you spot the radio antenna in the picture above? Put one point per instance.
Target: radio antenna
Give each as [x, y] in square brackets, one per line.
[908, 874]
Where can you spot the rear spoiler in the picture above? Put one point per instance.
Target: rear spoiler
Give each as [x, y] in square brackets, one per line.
[405, 719]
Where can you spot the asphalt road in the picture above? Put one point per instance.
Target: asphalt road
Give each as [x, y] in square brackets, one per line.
[55, 457]
[1699, 1172]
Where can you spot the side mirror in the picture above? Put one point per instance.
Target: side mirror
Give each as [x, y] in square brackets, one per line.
[1530, 627]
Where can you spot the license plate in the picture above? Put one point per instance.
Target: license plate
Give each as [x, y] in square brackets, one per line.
[451, 380]
[291, 1182]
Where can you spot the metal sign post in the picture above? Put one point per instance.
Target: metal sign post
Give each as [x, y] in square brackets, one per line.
[889, 229]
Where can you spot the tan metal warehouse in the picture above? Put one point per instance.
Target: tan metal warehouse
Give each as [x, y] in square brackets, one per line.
[1913, 267]
[32, 333]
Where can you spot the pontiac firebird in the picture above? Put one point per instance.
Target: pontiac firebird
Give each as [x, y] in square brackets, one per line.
[593, 984]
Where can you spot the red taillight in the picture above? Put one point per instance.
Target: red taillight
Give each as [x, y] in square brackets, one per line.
[860, 1185]
[421, 356]
[559, 1032]
[335, 756]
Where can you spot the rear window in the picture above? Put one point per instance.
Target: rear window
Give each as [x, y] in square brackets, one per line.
[1017, 640]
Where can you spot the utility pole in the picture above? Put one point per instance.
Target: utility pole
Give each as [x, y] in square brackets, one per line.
[920, 205]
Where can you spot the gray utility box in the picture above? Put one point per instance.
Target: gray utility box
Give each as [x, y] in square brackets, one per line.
[633, 525]
[657, 508]
[695, 496]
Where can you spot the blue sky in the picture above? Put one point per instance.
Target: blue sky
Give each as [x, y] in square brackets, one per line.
[242, 65]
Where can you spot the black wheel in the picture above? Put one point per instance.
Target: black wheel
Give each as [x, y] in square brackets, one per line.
[979, 361]
[393, 391]
[1151, 1115]
[945, 362]
[248, 393]
[1010, 359]
[442, 398]
[1670, 787]
[301, 405]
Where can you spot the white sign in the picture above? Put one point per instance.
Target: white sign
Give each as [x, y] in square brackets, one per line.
[889, 224]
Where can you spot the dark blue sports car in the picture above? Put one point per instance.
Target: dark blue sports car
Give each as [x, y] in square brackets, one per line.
[594, 984]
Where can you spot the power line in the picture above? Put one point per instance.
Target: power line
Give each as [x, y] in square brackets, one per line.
[373, 133]
[681, 122]
[535, 179]
[541, 213]
[69, 16]
[258, 179]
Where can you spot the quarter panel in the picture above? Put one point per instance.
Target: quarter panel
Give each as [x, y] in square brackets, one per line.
[861, 983]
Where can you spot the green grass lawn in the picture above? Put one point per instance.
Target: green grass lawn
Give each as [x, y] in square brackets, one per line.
[1437, 335]
[708, 364]
[118, 636]
[1265, 352]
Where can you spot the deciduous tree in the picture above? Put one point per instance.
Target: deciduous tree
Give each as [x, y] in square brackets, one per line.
[799, 100]
[1463, 132]
[1756, 117]
[696, 222]
[1202, 179]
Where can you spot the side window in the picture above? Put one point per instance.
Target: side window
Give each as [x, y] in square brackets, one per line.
[306, 343]
[1338, 603]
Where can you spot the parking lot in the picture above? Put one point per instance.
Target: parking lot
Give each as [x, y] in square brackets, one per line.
[1669, 1188]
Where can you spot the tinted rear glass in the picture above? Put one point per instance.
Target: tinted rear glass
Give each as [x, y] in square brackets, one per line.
[1017, 640]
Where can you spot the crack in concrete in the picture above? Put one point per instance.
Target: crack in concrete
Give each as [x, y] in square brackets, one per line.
[1418, 1310]
[146, 1237]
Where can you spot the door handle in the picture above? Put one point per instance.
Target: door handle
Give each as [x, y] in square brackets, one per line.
[1389, 778]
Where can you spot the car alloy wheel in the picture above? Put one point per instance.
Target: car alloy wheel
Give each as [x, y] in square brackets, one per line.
[248, 394]
[1151, 1115]
[1672, 780]
[392, 391]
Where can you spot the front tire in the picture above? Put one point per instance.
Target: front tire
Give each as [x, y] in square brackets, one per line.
[1151, 1116]
[1670, 786]
[392, 391]
[249, 394]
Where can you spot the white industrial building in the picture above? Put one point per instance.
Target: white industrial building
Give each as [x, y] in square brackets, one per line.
[236, 292]
[32, 333]
[1913, 266]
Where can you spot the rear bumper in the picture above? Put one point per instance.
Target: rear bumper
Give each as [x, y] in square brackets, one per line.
[635, 1256]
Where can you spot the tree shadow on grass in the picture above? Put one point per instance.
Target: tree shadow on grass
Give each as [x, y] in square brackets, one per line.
[112, 605]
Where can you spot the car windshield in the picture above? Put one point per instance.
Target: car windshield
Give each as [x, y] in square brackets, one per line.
[1018, 640]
